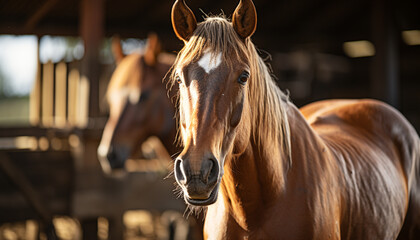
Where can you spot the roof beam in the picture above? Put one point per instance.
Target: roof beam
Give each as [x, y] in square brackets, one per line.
[39, 14]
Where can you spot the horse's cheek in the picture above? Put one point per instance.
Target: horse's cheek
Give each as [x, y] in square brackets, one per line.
[240, 143]
[236, 115]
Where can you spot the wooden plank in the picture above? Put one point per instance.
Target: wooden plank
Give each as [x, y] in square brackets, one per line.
[10, 132]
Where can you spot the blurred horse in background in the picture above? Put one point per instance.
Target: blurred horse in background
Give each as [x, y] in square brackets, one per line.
[140, 107]
[139, 104]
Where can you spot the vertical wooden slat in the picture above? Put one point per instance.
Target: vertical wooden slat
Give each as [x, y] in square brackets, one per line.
[47, 94]
[35, 95]
[60, 94]
[34, 99]
[73, 93]
[83, 102]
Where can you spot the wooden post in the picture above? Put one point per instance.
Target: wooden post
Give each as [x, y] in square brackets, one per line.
[385, 66]
[92, 32]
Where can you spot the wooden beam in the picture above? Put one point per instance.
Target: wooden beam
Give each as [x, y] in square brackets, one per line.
[39, 14]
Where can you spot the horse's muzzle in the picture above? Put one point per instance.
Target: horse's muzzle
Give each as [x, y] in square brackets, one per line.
[200, 187]
[112, 158]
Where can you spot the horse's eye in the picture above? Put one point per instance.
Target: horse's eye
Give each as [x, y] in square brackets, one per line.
[178, 79]
[243, 78]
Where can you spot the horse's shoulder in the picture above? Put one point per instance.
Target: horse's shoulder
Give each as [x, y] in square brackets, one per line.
[318, 108]
[372, 115]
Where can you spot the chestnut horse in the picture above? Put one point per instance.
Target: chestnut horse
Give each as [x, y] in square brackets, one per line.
[139, 105]
[339, 169]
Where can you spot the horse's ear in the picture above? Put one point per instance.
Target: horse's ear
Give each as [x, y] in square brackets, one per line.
[244, 19]
[183, 20]
[116, 49]
[153, 49]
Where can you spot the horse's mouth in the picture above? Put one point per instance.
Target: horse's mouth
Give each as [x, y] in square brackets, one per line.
[204, 202]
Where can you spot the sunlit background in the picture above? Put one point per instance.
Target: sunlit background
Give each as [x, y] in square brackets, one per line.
[18, 67]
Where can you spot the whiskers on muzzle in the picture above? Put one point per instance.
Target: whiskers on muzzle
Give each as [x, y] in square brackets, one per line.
[197, 211]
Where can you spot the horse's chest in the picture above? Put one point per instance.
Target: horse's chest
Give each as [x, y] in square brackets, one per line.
[220, 224]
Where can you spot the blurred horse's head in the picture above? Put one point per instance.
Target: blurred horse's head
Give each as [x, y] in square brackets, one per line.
[138, 102]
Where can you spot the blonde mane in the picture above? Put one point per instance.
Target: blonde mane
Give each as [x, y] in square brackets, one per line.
[268, 102]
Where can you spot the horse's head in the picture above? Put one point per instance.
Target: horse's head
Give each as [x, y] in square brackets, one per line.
[212, 71]
[139, 106]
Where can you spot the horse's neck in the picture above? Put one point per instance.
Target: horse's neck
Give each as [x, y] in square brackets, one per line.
[259, 178]
[253, 179]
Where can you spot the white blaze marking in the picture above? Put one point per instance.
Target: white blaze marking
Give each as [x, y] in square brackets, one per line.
[102, 150]
[134, 96]
[194, 99]
[208, 63]
[119, 95]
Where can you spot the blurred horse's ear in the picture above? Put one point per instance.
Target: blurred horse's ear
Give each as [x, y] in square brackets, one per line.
[244, 19]
[153, 49]
[116, 49]
[183, 20]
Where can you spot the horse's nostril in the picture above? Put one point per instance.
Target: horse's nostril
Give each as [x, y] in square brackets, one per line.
[207, 169]
[210, 171]
[179, 170]
[115, 158]
[111, 155]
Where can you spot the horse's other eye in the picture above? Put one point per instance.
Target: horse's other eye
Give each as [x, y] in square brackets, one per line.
[243, 78]
[178, 79]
